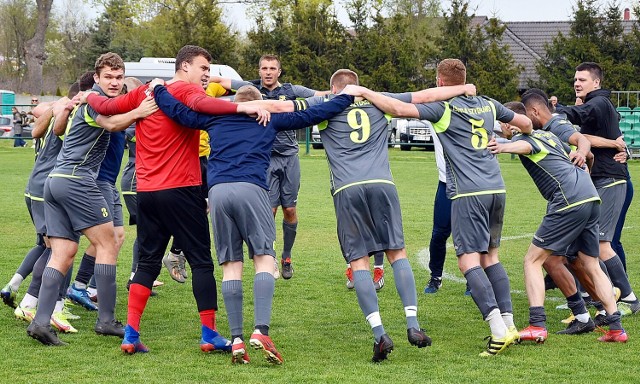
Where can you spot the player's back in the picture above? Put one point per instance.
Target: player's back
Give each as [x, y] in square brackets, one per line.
[464, 126]
[559, 181]
[355, 141]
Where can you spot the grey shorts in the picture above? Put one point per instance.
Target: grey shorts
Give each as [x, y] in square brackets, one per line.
[476, 222]
[240, 213]
[114, 204]
[129, 185]
[369, 219]
[37, 214]
[283, 178]
[568, 232]
[72, 205]
[612, 193]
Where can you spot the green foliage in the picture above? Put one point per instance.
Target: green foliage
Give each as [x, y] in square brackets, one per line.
[596, 35]
[17, 25]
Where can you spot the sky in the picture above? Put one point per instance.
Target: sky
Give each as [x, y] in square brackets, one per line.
[506, 10]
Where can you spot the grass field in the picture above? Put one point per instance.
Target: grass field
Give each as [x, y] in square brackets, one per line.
[316, 322]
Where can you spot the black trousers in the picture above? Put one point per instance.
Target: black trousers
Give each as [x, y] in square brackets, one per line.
[181, 213]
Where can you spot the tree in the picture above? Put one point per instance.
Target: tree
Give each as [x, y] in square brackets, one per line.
[16, 26]
[34, 52]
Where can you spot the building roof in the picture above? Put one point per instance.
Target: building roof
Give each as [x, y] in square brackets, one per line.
[527, 39]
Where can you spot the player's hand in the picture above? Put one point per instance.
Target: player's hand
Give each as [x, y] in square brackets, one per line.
[620, 144]
[354, 90]
[621, 157]
[579, 101]
[59, 106]
[155, 82]
[469, 90]
[215, 79]
[577, 158]
[494, 147]
[262, 115]
[146, 107]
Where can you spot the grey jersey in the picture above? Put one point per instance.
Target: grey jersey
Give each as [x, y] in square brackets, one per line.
[464, 126]
[560, 182]
[85, 144]
[45, 162]
[286, 143]
[561, 127]
[355, 141]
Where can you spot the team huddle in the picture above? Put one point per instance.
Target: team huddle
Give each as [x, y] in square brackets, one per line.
[169, 187]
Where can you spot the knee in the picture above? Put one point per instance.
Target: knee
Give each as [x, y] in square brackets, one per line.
[290, 214]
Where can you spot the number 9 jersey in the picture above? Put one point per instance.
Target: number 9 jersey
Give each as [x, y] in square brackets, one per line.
[464, 126]
[356, 143]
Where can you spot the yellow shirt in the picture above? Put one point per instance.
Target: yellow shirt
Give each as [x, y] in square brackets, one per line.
[213, 90]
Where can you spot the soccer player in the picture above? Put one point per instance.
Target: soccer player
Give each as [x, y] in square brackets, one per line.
[240, 150]
[366, 203]
[74, 206]
[169, 194]
[476, 188]
[570, 226]
[598, 119]
[284, 171]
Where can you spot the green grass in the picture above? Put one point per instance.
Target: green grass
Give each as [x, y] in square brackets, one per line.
[316, 322]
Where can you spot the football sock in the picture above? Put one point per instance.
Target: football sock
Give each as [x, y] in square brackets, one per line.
[501, 289]
[497, 326]
[481, 291]
[406, 287]
[537, 317]
[36, 276]
[62, 292]
[29, 301]
[263, 287]
[614, 321]
[138, 297]
[26, 267]
[51, 280]
[577, 307]
[208, 318]
[105, 275]
[619, 276]
[289, 231]
[15, 281]
[368, 301]
[232, 295]
[85, 271]
[378, 259]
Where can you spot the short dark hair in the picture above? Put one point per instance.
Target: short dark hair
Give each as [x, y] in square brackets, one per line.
[73, 90]
[543, 97]
[109, 59]
[593, 68]
[190, 52]
[270, 57]
[86, 81]
[516, 107]
[531, 98]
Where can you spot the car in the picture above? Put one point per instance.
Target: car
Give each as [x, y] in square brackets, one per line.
[414, 131]
[316, 142]
[6, 126]
[149, 68]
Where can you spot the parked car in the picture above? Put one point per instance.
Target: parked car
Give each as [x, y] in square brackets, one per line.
[6, 126]
[414, 131]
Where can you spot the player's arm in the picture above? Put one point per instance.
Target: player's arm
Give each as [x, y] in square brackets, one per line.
[177, 111]
[121, 122]
[519, 147]
[522, 122]
[313, 115]
[41, 108]
[41, 125]
[583, 149]
[577, 114]
[601, 142]
[225, 82]
[277, 106]
[387, 104]
[113, 106]
[430, 95]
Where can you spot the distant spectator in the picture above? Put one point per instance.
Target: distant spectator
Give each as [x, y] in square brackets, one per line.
[17, 128]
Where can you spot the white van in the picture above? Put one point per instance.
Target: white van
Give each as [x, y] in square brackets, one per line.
[148, 68]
